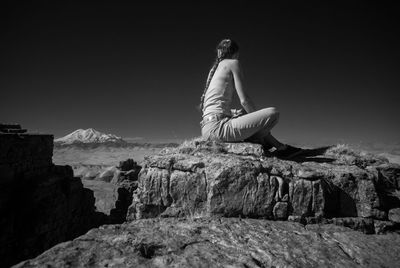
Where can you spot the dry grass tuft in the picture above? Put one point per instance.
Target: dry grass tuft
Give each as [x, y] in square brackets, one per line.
[345, 154]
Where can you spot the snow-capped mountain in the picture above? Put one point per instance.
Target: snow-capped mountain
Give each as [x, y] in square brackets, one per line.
[88, 136]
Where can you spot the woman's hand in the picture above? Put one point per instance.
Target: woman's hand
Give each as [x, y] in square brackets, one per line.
[237, 112]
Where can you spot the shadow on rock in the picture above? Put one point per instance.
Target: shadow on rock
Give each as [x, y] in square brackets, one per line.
[314, 155]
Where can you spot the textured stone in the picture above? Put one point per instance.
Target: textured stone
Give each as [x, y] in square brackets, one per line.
[360, 224]
[383, 227]
[309, 198]
[280, 211]
[356, 189]
[394, 215]
[226, 179]
[388, 184]
[223, 242]
[203, 182]
[184, 184]
[201, 146]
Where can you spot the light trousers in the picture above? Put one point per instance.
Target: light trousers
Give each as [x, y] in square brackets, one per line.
[252, 127]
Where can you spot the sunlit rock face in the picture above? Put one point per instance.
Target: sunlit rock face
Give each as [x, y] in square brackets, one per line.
[222, 242]
[207, 178]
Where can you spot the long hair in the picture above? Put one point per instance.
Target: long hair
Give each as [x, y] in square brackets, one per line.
[225, 50]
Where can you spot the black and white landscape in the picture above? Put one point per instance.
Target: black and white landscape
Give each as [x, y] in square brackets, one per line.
[89, 136]
[91, 153]
[102, 163]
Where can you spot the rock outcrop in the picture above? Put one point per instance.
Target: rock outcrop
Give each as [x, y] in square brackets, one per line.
[210, 204]
[41, 204]
[224, 242]
[235, 180]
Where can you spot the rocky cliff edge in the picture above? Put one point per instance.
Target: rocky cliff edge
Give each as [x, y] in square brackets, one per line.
[209, 204]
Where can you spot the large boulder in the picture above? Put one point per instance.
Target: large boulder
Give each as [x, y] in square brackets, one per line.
[222, 242]
[205, 178]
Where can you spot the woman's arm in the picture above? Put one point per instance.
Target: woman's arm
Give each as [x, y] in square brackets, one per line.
[245, 100]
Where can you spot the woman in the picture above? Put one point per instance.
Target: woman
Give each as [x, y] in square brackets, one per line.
[223, 123]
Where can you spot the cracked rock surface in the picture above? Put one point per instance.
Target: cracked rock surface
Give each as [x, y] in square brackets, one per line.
[206, 178]
[209, 204]
[222, 242]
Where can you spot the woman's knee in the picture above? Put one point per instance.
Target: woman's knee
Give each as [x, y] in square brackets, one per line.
[271, 112]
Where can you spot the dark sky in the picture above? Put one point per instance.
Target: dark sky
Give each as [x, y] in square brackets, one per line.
[139, 70]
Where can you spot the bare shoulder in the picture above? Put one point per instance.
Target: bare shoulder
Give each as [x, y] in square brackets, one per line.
[231, 61]
[233, 64]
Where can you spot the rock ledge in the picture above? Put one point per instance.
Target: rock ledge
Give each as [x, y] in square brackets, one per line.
[224, 242]
[207, 178]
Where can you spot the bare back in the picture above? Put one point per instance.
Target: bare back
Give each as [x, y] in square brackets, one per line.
[222, 76]
[219, 95]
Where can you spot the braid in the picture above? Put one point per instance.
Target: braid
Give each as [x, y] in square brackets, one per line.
[213, 69]
[225, 49]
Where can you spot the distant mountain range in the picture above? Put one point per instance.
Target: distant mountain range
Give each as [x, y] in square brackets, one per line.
[89, 136]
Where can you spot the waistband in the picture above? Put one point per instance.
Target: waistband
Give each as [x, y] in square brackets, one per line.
[212, 117]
